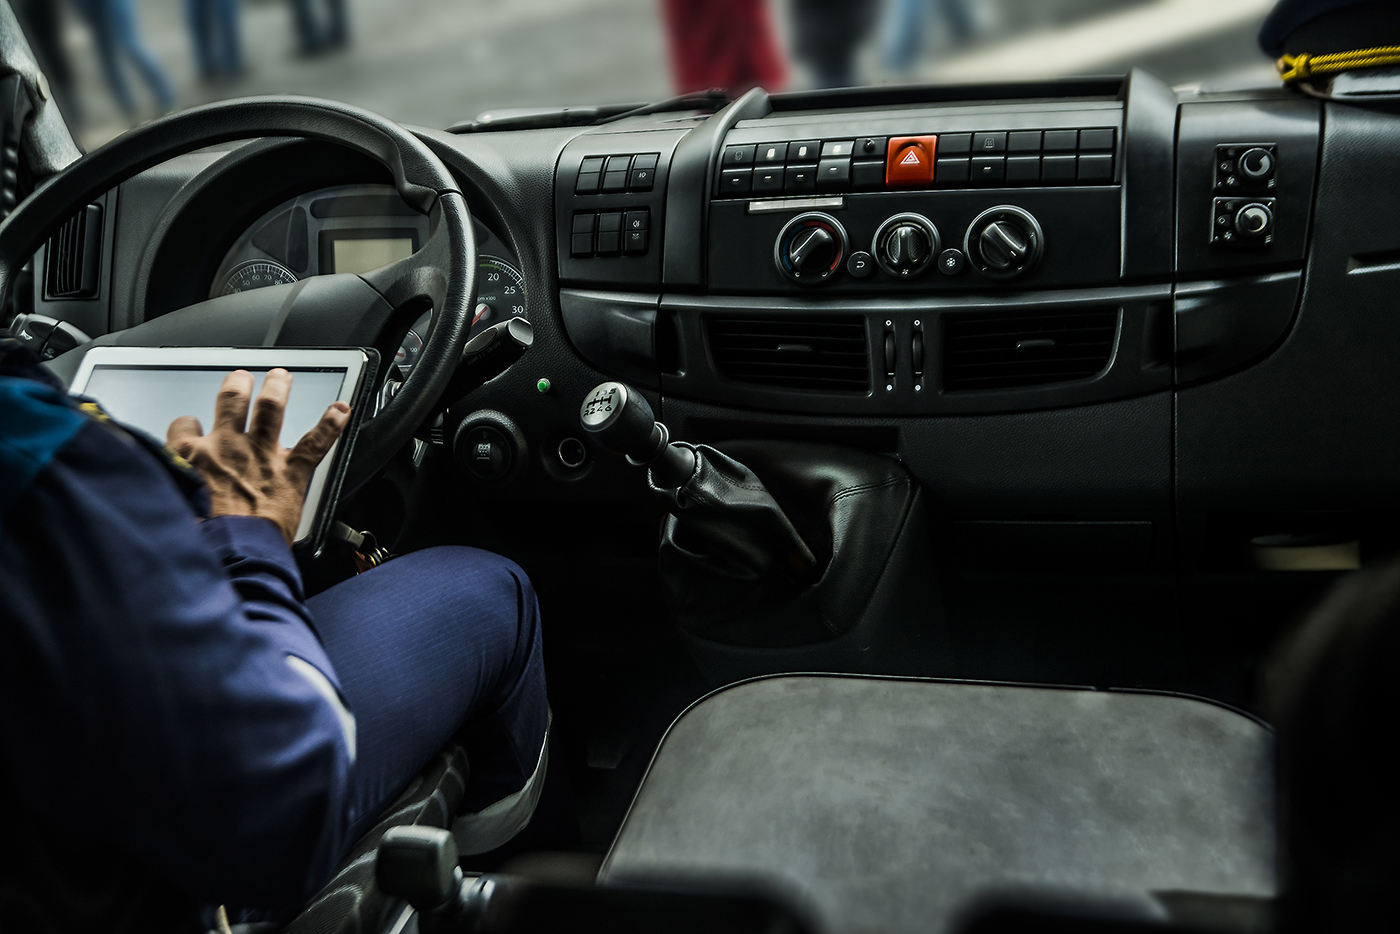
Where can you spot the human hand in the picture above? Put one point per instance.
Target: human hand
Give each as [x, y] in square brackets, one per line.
[249, 473]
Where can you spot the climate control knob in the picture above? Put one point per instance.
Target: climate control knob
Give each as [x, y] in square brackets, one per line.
[1256, 163]
[811, 248]
[906, 244]
[1004, 242]
[1254, 221]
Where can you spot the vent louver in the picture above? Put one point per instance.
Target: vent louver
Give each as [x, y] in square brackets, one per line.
[75, 256]
[826, 353]
[1018, 350]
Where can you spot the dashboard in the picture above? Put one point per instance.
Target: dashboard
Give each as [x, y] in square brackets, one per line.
[1096, 317]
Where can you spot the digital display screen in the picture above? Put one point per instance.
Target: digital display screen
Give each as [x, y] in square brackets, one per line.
[150, 398]
[361, 254]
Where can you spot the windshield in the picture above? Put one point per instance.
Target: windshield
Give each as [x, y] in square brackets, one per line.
[115, 63]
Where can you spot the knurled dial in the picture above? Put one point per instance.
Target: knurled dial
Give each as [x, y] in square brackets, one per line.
[1004, 242]
[1254, 220]
[811, 248]
[905, 245]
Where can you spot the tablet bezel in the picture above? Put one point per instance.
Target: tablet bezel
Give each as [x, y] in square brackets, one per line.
[355, 361]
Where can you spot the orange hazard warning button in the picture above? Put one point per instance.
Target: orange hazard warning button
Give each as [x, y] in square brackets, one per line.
[909, 161]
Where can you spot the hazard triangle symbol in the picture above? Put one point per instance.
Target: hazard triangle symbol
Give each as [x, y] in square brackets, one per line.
[910, 158]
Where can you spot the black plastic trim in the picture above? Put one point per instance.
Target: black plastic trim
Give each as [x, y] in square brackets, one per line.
[688, 191]
[614, 331]
[1224, 326]
[1110, 86]
[1149, 172]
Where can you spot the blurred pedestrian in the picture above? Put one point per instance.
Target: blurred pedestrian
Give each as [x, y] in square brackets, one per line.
[42, 21]
[827, 34]
[908, 21]
[322, 25]
[215, 35]
[723, 44]
[113, 24]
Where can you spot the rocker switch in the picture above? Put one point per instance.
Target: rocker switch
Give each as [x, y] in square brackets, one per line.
[889, 353]
[916, 352]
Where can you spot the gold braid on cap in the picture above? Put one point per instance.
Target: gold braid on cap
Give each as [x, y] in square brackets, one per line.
[1302, 66]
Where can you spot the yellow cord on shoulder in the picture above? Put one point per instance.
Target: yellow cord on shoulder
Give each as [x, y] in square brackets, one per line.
[94, 410]
[1298, 67]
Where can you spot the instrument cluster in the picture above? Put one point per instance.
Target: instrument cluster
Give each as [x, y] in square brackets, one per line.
[357, 229]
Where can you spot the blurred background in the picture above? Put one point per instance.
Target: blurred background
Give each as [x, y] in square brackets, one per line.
[432, 63]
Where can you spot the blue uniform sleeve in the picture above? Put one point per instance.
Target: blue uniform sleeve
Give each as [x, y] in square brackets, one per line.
[162, 690]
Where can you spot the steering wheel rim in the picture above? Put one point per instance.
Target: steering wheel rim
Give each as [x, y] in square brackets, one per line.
[442, 271]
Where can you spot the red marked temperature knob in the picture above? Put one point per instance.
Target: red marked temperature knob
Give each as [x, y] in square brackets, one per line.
[811, 248]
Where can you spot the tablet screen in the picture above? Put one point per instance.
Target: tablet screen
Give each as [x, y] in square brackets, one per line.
[150, 398]
[147, 388]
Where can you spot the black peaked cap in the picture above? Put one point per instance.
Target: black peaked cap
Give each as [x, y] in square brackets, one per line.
[1321, 26]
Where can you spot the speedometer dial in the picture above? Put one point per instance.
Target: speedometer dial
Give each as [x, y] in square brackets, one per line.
[258, 274]
[500, 294]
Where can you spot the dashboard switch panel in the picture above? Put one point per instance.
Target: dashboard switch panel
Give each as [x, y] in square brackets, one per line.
[912, 162]
[616, 173]
[1246, 167]
[609, 231]
[1245, 176]
[1243, 222]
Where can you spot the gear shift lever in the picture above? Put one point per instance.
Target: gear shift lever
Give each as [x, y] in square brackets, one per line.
[726, 540]
[620, 419]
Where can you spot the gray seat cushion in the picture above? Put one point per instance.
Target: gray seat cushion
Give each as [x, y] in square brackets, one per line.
[887, 804]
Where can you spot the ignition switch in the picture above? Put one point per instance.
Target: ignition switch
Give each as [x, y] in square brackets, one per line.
[488, 446]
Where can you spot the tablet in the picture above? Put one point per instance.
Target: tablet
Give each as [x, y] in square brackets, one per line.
[149, 387]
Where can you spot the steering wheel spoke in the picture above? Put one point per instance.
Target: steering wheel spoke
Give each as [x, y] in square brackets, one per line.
[420, 278]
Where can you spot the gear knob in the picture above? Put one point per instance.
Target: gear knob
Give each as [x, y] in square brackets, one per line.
[621, 421]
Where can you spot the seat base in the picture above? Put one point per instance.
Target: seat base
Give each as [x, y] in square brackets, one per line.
[891, 804]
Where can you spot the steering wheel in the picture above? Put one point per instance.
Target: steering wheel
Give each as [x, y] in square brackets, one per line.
[331, 311]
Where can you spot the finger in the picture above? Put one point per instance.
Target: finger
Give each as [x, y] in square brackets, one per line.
[183, 433]
[313, 445]
[184, 428]
[231, 405]
[269, 407]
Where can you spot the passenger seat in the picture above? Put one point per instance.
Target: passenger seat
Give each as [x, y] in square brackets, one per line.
[894, 804]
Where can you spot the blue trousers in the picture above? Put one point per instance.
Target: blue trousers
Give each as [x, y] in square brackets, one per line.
[113, 23]
[214, 35]
[429, 643]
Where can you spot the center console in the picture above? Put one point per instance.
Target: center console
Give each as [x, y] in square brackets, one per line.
[895, 252]
[933, 205]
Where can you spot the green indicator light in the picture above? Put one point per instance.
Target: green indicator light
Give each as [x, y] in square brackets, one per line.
[542, 385]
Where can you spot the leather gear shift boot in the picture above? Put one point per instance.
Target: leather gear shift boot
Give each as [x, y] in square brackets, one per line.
[727, 541]
[778, 543]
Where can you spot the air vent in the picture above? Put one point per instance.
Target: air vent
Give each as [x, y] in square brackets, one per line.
[1012, 351]
[75, 256]
[826, 353]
